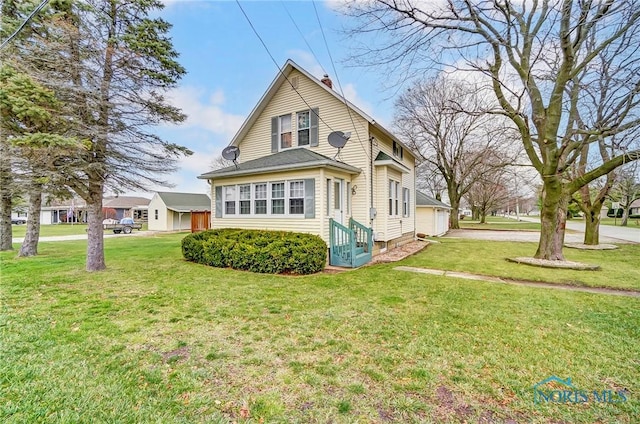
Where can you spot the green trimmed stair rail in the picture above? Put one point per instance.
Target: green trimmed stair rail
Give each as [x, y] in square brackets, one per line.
[349, 246]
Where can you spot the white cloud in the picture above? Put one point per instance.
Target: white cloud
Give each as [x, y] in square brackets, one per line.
[208, 114]
[308, 61]
[352, 95]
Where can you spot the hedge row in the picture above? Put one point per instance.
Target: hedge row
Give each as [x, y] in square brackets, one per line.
[270, 252]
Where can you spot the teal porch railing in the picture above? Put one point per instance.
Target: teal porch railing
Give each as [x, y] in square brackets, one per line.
[349, 246]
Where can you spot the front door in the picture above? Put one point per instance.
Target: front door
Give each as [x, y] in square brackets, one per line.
[338, 201]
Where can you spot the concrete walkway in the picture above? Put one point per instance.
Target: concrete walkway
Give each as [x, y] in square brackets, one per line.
[467, 276]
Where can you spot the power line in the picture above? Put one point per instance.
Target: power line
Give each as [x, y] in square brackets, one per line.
[338, 79]
[303, 37]
[278, 66]
[26, 21]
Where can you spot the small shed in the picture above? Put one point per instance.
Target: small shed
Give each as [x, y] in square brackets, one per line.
[432, 216]
[172, 211]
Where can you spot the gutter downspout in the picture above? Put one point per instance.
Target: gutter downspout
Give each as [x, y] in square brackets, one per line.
[371, 182]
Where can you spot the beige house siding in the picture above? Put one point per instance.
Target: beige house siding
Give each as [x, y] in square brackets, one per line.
[162, 223]
[333, 117]
[366, 141]
[283, 223]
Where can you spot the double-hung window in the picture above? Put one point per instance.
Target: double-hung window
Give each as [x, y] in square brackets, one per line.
[303, 128]
[284, 126]
[230, 200]
[260, 199]
[397, 150]
[245, 199]
[296, 197]
[405, 202]
[394, 188]
[277, 198]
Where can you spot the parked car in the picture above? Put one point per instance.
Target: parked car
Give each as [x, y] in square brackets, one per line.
[18, 221]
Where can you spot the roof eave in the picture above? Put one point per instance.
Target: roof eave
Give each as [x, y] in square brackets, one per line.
[393, 164]
[294, 167]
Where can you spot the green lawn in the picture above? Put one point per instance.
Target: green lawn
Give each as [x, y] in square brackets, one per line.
[499, 223]
[619, 267]
[633, 223]
[157, 339]
[59, 230]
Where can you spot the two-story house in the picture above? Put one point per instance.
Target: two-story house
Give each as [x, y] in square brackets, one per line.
[359, 198]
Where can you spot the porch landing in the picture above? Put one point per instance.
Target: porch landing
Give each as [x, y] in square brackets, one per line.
[392, 255]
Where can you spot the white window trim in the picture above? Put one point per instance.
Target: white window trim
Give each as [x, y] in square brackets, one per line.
[394, 198]
[269, 214]
[294, 131]
[280, 132]
[406, 200]
[297, 144]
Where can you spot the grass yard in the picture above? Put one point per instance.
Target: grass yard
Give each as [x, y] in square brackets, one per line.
[619, 267]
[499, 223]
[632, 223]
[59, 230]
[157, 339]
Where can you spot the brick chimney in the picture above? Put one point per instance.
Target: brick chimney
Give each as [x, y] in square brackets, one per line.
[327, 81]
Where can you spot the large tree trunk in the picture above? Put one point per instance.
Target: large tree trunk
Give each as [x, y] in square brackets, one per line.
[483, 217]
[454, 222]
[592, 228]
[95, 231]
[625, 213]
[6, 231]
[30, 244]
[553, 217]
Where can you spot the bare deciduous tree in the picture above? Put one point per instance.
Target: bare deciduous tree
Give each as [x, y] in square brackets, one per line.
[444, 121]
[537, 57]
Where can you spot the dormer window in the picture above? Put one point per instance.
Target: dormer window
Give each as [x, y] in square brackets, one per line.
[284, 125]
[397, 150]
[303, 128]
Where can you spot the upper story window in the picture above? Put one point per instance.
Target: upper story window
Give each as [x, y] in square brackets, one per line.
[298, 129]
[303, 128]
[397, 150]
[284, 128]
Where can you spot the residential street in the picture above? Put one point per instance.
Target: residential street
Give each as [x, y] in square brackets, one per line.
[630, 233]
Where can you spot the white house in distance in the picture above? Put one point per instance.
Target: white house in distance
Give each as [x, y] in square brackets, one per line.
[432, 215]
[357, 192]
[172, 211]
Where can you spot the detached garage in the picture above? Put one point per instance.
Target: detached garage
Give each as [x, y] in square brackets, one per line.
[172, 211]
[432, 216]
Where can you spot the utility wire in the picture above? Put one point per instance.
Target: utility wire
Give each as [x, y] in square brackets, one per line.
[333, 65]
[303, 37]
[278, 66]
[26, 21]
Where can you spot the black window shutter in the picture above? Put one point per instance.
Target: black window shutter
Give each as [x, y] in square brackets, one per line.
[219, 202]
[313, 127]
[310, 198]
[274, 134]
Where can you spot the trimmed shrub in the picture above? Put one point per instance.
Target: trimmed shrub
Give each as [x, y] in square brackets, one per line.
[268, 252]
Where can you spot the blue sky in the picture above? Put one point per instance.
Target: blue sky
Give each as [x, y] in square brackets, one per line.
[229, 69]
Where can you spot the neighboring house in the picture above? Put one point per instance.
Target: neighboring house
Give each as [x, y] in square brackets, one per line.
[128, 206]
[360, 199]
[172, 211]
[63, 211]
[634, 208]
[432, 216]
